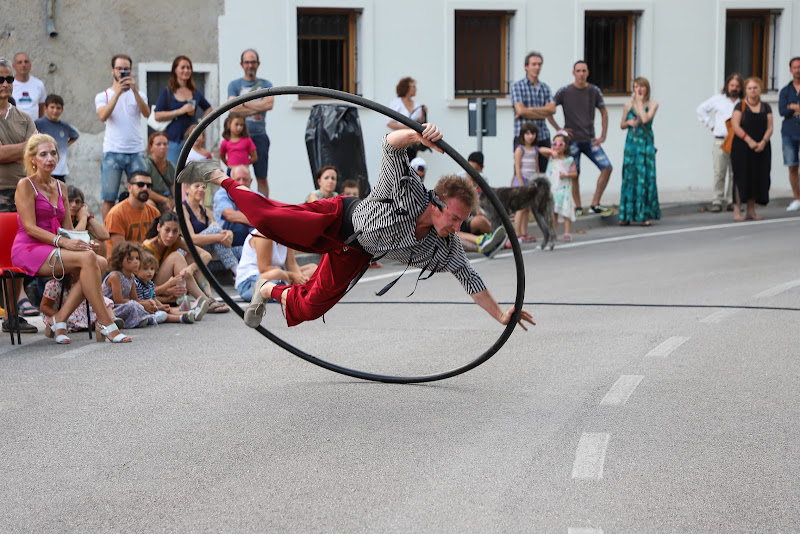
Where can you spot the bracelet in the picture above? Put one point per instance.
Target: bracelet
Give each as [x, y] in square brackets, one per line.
[90, 216]
[743, 136]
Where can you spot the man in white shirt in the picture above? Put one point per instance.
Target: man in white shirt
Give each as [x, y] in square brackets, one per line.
[721, 106]
[29, 91]
[121, 107]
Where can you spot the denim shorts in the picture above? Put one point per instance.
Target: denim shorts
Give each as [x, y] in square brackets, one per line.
[261, 166]
[594, 153]
[245, 289]
[111, 172]
[791, 147]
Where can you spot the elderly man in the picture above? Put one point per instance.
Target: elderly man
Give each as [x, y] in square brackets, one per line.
[254, 113]
[16, 127]
[400, 219]
[29, 91]
[227, 214]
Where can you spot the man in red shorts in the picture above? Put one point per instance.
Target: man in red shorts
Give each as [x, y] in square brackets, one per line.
[400, 220]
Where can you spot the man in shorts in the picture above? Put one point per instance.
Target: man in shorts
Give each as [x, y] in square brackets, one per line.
[579, 101]
[789, 108]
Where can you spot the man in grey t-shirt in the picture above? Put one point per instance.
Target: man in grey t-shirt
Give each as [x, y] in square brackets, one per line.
[578, 101]
[254, 113]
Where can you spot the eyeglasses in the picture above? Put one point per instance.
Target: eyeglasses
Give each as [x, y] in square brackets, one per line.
[142, 185]
[7, 79]
[249, 62]
[77, 201]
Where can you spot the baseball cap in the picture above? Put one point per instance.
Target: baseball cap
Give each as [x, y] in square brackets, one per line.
[418, 164]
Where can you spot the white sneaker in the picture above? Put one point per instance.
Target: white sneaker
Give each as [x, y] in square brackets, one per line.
[794, 206]
[161, 316]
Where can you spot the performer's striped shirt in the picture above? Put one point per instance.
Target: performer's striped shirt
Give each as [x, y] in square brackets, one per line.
[387, 219]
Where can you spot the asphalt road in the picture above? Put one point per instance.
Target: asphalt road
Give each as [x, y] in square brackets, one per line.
[657, 393]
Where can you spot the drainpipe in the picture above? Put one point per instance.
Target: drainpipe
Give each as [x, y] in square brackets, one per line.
[51, 10]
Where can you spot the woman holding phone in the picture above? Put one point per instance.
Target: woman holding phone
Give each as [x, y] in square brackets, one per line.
[178, 103]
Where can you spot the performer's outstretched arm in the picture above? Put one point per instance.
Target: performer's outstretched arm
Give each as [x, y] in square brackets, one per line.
[485, 300]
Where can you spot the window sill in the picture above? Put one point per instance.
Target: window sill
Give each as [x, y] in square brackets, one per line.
[461, 103]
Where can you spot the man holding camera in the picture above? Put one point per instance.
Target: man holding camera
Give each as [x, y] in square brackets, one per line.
[121, 107]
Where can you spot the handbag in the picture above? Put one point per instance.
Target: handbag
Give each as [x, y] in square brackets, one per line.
[158, 126]
[728, 142]
[81, 235]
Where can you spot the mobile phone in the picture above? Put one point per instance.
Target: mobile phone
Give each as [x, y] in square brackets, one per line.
[124, 74]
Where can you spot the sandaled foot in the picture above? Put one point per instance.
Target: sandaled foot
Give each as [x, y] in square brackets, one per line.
[111, 332]
[61, 338]
[258, 306]
[567, 238]
[624, 223]
[200, 171]
[218, 307]
[27, 309]
[738, 218]
[647, 223]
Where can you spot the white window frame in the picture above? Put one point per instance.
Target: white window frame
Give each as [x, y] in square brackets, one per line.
[365, 51]
[783, 40]
[516, 42]
[211, 70]
[642, 63]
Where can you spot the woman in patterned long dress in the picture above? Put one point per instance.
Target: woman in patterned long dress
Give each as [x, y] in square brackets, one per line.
[639, 198]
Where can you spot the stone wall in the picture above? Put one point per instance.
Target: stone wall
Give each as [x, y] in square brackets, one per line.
[76, 63]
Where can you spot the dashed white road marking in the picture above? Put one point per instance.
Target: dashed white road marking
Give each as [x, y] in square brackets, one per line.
[718, 317]
[664, 350]
[573, 530]
[621, 391]
[777, 290]
[590, 456]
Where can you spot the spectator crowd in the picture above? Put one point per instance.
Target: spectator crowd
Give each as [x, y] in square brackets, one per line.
[133, 268]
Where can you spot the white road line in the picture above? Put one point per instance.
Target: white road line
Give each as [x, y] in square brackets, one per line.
[79, 351]
[621, 391]
[777, 290]
[573, 530]
[590, 456]
[664, 350]
[718, 317]
[646, 235]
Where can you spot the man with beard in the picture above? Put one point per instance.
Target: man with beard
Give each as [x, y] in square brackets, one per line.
[121, 107]
[721, 107]
[130, 219]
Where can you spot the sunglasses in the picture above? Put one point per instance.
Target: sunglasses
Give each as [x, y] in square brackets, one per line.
[8, 79]
[559, 143]
[142, 185]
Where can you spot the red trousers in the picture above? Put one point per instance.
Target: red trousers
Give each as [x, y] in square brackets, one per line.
[310, 227]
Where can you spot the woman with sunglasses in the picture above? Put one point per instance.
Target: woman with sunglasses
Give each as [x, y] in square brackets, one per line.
[40, 251]
[83, 220]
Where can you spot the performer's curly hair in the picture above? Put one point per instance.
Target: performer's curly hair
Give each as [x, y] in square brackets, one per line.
[453, 186]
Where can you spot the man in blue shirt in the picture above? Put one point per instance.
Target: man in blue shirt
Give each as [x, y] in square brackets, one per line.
[789, 108]
[227, 214]
[255, 113]
[533, 101]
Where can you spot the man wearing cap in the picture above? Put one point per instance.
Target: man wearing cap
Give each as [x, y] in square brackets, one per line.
[419, 166]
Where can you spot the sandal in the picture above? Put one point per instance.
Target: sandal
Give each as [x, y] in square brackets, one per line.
[25, 308]
[104, 332]
[647, 223]
[525, 238]
[218, 307]
[567, 238]
[61, 339]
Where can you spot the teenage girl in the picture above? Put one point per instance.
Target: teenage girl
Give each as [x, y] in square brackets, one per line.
[237, 148]
[526, 167]
[561, 170]
[119, 286]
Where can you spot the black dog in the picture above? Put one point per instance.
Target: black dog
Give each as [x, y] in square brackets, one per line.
[536, 195]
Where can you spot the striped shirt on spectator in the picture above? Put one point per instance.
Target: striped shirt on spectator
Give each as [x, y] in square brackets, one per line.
[532, 96]
[387, 220]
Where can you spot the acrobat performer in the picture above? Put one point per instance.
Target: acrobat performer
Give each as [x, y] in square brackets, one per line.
[400, 220]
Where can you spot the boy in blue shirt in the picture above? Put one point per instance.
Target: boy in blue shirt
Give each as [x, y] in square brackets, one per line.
[62, 132]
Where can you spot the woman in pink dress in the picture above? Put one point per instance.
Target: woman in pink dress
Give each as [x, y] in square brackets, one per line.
[40, 251]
